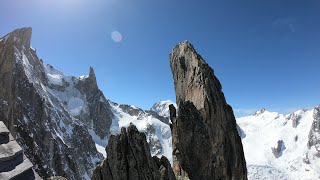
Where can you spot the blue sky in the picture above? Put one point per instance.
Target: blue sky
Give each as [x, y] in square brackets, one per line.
[265, 52]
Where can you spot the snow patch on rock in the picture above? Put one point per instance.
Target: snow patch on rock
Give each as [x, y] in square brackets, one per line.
[162, 107]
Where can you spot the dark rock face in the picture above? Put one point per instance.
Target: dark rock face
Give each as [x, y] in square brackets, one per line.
[129, 158]
[206, 144]
[55, 141]
[314, 134]
[164, 166]
[295, 119]
[278, 148]
[131, 110]
[13, 163]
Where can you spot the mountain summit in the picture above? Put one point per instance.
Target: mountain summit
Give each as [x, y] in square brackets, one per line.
[21, 37]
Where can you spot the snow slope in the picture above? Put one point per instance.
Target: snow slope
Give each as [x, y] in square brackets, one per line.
[263, 130]
[162, 107]
[259, 132]
[157, 132]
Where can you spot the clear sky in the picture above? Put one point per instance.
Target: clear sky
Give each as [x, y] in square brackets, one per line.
[266, 53]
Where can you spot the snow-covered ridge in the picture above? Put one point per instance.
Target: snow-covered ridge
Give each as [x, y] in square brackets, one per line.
[63, 88]
[162, 107]
[62, 92]
[67, 99]
[261, 133]
[277, 144]
[157, 132]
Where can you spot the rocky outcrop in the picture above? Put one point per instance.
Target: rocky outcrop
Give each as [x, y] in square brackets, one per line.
[206, 144]
[154, 143]
[259, 112]
[295, 118]
[133, 111]
[13, 163]
[57, 142]
[314, 134]
[165, 169]
[129, 158]
[278, 148]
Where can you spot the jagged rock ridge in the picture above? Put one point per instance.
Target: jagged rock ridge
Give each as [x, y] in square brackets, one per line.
[48, 112]
[63, 122]
[129, 158]
[155, 127]
[206, 144]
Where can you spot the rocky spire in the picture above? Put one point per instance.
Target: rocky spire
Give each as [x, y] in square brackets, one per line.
[92, 77]
[91, 73]
[129, 158]
[100, 116]
[205, 138]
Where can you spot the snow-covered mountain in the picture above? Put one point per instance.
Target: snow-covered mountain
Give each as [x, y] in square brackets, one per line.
[162, 107]
[281, 146]
[155, 126]
[158, 132]
[63, 122]
[50, 114]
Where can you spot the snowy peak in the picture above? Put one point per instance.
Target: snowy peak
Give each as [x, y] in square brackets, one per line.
[261, 111]
[162, 107]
